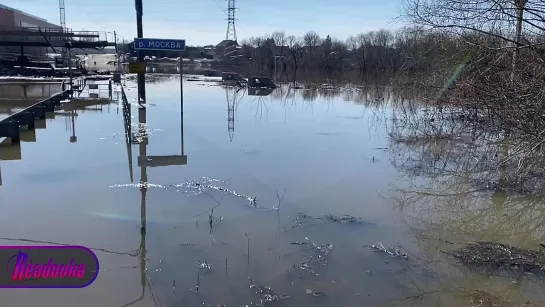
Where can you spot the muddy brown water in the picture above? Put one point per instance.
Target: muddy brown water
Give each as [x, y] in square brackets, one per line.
[330, 151]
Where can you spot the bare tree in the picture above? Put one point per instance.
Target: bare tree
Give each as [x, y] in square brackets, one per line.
[296, 53]
[311, 39]
[279, 38]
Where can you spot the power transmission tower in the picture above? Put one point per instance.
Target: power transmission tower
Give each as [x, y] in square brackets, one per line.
[231, 30]
[63, 26]
[63, 17]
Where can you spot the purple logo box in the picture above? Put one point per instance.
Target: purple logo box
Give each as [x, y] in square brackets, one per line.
[48, 267]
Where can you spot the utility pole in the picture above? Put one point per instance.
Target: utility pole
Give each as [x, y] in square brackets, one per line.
[140, 34]
[117, 52]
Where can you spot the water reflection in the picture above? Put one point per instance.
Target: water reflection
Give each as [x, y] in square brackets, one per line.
[144, 161]
[441, 172]
[260, 91]
[73, 137]
[233, 96]
[367, 94]
[70, 111]
[28, 90]
[465, 181]
[9, 152]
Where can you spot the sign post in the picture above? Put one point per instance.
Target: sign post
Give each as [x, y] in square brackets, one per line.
[161, 44]
[137, 67]
[182, 100]
[140, 33]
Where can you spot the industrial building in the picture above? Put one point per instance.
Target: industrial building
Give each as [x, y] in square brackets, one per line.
[15, 22]
[31, 42]
[10, 17]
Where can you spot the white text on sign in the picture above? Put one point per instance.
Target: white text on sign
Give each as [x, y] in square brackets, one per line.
[160, 44]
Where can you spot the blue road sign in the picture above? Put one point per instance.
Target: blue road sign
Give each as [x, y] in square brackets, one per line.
[159, 44]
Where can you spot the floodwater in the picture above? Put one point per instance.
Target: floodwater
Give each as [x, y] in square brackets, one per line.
[301, 184]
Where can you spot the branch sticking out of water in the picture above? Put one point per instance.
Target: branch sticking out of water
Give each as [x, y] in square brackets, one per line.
[248, 247]
[280, 199]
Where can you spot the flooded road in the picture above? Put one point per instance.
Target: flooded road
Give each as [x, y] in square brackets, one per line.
[301, 191]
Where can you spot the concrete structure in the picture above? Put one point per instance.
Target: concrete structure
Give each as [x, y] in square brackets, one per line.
[11, 17]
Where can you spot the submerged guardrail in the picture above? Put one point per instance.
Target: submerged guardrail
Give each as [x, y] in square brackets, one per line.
[11, 125]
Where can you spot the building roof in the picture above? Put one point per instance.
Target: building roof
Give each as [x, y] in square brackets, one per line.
[21, 12]
[226, 43]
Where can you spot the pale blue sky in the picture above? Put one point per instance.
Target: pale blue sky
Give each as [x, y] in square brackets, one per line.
[203, 22]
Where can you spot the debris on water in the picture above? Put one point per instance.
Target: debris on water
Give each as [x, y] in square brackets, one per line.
[250, 151]
[204, 183]
[298, 243]
[313, 293]
[527, 185]
[327, 133]
[217, 242]
[393, 252]
[205, 266]
[139, 185]
[494, 256]
[318, 256]
[266, 294]
[143, 132]
[302, 219]
[342, 219]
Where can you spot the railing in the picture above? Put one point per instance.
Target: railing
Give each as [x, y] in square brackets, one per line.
[126, 116]
[9, 126]
[65, 34]
[15, 56]
[128, 132]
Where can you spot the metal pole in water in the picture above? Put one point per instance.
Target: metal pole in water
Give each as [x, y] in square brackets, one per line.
[118, 54]
[69, 45]
[182, 102]
[73, 138]
[140, 34]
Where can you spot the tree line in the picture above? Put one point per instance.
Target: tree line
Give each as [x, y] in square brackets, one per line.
[411, 49]
[488, 55]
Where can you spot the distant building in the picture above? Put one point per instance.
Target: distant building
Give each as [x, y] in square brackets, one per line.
[226, 47]
[10, 17]
[209, 51]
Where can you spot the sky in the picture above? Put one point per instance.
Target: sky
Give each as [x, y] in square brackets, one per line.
[203, 22]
